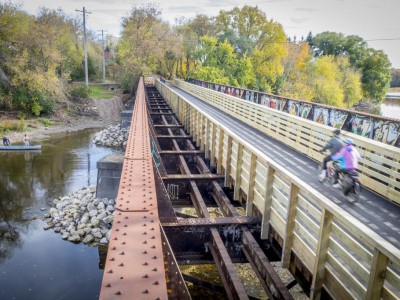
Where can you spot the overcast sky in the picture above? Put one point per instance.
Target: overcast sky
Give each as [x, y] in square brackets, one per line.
[376, 21]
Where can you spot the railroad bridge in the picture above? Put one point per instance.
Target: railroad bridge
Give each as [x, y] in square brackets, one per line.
[248, 173]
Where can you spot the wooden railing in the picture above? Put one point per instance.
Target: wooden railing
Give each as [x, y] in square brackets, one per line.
[345, 257]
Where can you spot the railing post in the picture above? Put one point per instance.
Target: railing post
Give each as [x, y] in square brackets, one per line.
[269, 186]
[322, 254]
[220, 150]
[213, 145]
[250, 192]
[206, 137]
[238, 179]
[228, 162]
[290, 222]
[377, 275]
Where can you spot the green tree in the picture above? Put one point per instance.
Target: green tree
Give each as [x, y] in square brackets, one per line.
[374, 65]
[375, 75]
[241, 27]
[144, 41]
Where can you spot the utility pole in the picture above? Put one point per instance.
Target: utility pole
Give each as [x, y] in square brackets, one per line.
[104, 59]
[84, 12]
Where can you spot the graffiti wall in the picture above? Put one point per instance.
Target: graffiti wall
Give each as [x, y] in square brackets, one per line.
[379, 129]
[387, 132]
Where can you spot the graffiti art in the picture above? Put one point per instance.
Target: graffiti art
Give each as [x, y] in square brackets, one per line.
[360, 125]
[337, 118]
[321, 115]
[305, 110]
[386, 132]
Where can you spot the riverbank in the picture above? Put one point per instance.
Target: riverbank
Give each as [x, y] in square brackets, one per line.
[101, 113]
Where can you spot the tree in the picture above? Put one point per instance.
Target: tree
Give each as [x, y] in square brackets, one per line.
[375, 75]
[241, 27]
[144, 41]
[374, 65]
[350, 79]
[268, 54]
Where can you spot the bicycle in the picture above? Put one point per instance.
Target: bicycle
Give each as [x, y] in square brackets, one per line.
[349, 182]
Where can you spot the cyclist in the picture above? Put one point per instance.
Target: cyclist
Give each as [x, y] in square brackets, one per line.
[348, 158]
[334, 145]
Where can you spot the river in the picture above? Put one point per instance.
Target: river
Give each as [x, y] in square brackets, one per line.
[34, 263]
[391, 108]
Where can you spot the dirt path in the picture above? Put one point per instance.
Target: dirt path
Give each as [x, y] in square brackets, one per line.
[104, 112]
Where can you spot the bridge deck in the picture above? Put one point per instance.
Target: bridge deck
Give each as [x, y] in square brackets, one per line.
[374, 211]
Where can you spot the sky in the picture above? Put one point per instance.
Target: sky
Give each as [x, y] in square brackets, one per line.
[375, 21]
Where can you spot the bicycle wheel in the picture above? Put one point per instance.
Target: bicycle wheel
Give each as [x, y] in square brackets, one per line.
[354, 194]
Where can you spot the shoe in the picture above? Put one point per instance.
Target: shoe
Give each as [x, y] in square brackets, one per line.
[336, 186]
[322, 176]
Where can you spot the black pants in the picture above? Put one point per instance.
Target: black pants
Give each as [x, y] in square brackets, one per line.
[337, 171]
[325, 161]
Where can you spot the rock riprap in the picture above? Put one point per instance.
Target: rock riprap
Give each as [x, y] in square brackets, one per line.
[112, 136]
[81, 217]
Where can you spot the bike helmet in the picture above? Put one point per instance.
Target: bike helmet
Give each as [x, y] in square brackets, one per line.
[336, 132]
[348, 141]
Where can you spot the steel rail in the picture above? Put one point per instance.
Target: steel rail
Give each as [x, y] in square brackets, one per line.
[134, 266]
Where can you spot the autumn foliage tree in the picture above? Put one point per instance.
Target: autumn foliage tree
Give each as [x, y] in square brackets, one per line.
[39, 56]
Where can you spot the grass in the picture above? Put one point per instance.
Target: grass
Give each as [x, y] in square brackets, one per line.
[12, 126]
[101, 92]
[45, 122]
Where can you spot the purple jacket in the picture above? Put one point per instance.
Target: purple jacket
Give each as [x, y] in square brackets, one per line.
[348, 158]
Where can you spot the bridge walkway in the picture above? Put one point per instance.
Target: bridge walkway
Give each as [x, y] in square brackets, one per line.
[374, 211]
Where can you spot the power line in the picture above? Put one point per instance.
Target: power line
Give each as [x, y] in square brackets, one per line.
[393, 39]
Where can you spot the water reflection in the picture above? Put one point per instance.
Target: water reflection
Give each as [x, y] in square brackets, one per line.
[44, 265]
[391, 108]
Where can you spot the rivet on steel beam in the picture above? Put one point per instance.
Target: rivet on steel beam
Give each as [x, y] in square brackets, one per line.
[144, 232]
[144, 252]
[118, 293]
[144, 224]
[108, 285]
[155, 283]
[155, 270]
[154, 257]
[123, 243]
[152, 229]
[153, 237]
[145, 276]
[121, 265]
[112, 259]
[122, 253]
[126, 218]
[145, 242]
[115, 238]
[114, 248]
[121, 277]
[125, 225]
[146, 291]
[124, 233]
[111, 271]
[153, 247]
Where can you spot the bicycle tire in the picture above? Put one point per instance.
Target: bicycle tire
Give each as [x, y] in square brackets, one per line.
[354, 195]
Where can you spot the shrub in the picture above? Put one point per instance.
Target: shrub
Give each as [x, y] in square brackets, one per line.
[6, 127]
[45, 122]
[79, 92]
